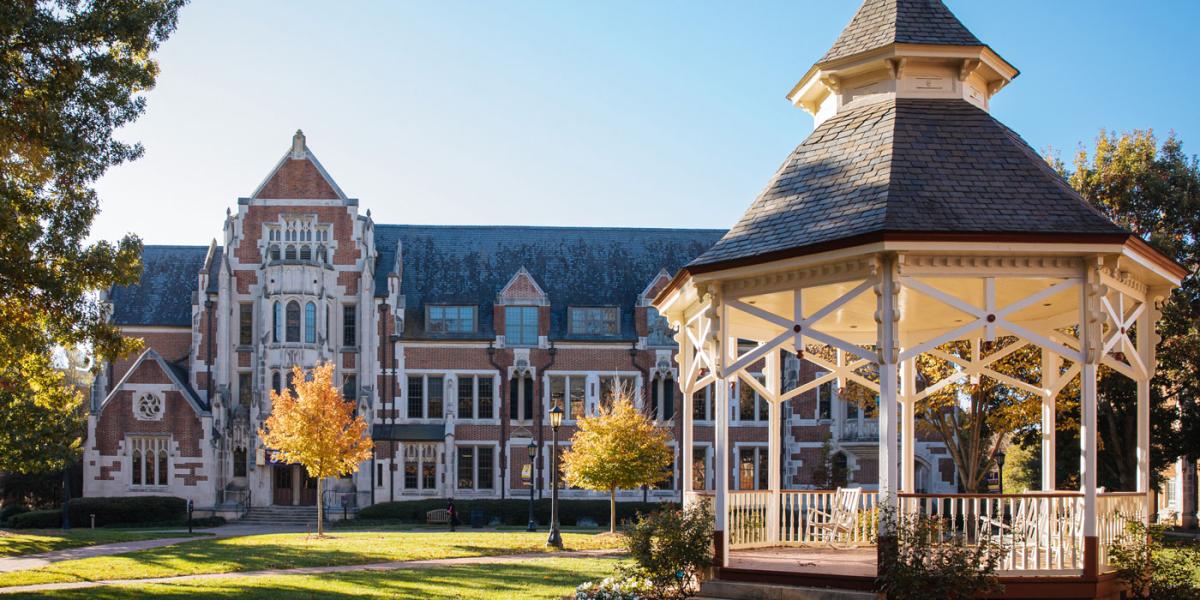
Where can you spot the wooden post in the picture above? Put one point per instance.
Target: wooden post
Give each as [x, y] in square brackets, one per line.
[1091, 344]
[1050, 376]
[887, 317]
[721, 444]
[908, 423]
[774, 448]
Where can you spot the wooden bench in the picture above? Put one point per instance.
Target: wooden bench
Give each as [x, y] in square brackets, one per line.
[438, 516]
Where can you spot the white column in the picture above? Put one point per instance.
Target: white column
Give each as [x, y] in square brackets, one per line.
[1147, 340]
[721, 444]
[1050, 376]
[887, 317]
[908, 423]
[685, 453]
[774, 437]
[1091, 344]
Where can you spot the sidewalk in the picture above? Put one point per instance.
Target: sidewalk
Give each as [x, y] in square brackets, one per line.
[385, 566]
[33, 561]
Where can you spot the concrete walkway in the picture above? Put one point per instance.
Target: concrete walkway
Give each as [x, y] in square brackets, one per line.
[385, 566]
[33, 561]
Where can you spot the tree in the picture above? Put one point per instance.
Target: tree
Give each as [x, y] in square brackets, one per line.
[619, 447]
[71, 73]
[41, 422]
[1154, 191]
[316, 428]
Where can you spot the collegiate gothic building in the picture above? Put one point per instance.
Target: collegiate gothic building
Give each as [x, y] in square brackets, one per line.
[453, 341]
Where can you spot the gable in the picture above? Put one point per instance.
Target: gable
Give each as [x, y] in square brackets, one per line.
[297, 179]
[522, 289]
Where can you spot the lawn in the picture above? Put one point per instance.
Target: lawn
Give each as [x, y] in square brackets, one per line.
[543, 578]
[290, 550]
[14, 543]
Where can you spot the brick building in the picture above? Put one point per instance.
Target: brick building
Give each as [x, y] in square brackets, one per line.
[453, 340]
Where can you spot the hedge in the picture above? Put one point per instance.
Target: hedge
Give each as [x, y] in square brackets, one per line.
[134, 510]
[10, 510]
[510, 512]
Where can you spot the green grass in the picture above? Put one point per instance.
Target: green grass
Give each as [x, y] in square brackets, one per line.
[45, 540]
[285, 551]
[543, 578]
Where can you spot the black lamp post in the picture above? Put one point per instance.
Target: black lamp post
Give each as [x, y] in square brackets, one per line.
[532, 455]
[555, 540]
[1000, 470]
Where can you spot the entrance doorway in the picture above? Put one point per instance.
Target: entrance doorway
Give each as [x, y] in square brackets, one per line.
[292, 486]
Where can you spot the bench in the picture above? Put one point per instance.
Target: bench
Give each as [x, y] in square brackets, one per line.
[438, 516]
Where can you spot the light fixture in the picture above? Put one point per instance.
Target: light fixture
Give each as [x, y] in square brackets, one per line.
[556, 417]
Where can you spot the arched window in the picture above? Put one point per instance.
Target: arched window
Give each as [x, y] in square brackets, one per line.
[310, 323]
[278, 322]
[274, 252]
[293, 321]
[291, 382]
[162, 467]
[306, 252]
[276, 383]
[137, 467]
[239, 462]
[290, 253]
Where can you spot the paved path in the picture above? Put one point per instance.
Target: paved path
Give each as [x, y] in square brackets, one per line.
[33, 561]
[385, 566]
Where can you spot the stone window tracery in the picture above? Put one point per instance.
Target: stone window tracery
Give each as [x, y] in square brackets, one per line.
[149, 464]
[148, 407]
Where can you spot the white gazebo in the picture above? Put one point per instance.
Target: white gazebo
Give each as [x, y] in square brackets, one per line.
[909, 219]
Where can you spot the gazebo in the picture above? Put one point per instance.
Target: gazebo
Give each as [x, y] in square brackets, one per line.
[909, 219]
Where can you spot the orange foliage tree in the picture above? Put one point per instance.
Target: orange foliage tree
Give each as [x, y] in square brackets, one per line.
[315, 427]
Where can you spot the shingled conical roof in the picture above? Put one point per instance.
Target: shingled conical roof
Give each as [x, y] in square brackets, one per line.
[879, 23]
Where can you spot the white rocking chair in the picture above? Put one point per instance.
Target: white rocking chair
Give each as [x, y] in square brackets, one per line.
[841, 518]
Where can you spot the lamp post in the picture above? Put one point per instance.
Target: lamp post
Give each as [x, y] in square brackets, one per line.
[1000, 470]
[555, 540]
[532, 455]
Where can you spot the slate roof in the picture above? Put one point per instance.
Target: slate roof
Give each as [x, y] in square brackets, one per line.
[575, 266]
[163, 296]
[879, 23]
[409, 432]
[905, 165]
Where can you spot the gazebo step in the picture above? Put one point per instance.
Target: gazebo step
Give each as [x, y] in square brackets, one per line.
[716, 589]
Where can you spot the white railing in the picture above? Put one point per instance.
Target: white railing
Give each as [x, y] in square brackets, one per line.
[748, 518]
[794, 511]
[1035, 532]
[1114, 512]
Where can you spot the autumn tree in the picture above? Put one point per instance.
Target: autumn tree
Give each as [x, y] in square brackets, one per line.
[618, 448]
[313, 426]
[71, 74]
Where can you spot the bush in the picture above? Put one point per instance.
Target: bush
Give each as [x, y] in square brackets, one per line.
[135, 510]
[9, 510]
[1151, 570]
[37, 519]
[620, 587]
[672, 547]
[926, 565]
[511, 511]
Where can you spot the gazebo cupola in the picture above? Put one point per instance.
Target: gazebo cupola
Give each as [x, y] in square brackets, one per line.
[902, 49]
[911, 223]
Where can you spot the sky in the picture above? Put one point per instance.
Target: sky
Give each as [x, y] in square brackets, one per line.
[604, 113]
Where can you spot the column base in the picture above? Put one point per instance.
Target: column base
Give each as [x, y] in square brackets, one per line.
[1091, 557]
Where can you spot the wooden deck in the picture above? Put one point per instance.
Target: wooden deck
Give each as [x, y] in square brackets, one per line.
[855, 562]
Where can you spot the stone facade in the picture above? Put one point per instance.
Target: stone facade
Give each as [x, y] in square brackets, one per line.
[453, 341]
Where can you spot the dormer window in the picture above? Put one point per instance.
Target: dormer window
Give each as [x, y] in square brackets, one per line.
[594, 320]
[658, 330]
[521, 325]
[450, 319]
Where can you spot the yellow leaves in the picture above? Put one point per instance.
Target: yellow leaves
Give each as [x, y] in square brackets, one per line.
[314, 427]
[618, 448]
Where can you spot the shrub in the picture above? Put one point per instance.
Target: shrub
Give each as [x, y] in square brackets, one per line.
[619, 587]
[37, 519]
[672, 547]
[927, 565]
[512, 511]
[9, 510]
[1152, 570]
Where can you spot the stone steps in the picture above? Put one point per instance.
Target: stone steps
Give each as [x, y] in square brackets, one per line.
[280, 515]
[716, 589]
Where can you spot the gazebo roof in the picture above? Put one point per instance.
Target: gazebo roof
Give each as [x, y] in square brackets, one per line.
[908, 166]
[879, 23]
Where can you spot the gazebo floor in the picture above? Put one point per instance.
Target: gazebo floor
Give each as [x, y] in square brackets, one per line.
[815, 560]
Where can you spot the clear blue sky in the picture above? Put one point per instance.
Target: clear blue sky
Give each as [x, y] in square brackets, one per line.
[571, 113]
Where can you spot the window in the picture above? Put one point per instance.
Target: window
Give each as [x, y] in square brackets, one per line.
[485, 398]
[149, 465]
[378, 474]
[435, 390]
[475, 468]
[520, 398]
[274, 251]
[702, 402]
[148, 407]
[599, 320]
[310, 323]
[466, 398]
[277, 323]
[752, 468]
[616, 386]
[668, 480]
[750, 405]
[276, 383]
[699, 468]
[662, 399]
[825, 394]
[568, 391]
[305, 252]
[245, 389]
[425, 396]
[658, 331]
[475, 397]
[349, 325]
[416, 393]
[420, 467]
[450, 319]
[349, 387]
[290, 253]
[293, 321]
[239, 462]
[521, 325]
[245, 324]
